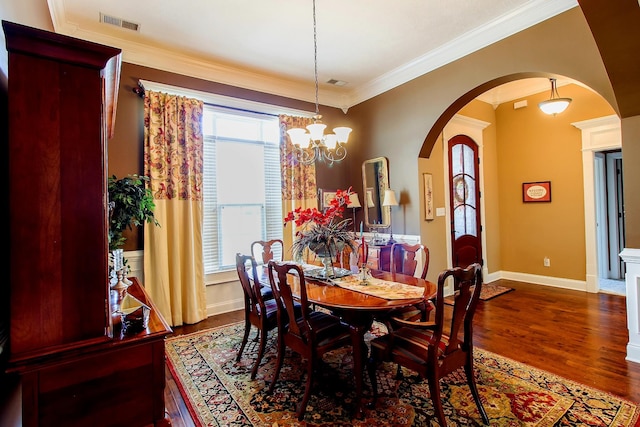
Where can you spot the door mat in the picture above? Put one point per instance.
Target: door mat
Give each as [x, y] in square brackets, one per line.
[489, 291]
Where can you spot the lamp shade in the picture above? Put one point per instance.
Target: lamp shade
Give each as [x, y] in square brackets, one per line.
[316, 130]
[299, 137]
[554, 106]
[389, 198]
[354, 201]
[342, 133]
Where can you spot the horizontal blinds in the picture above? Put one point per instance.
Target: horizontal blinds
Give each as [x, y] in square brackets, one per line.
[215, 245]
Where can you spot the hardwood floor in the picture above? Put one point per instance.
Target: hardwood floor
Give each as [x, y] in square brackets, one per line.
[577, 335]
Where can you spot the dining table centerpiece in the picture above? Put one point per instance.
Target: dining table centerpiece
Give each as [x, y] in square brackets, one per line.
[324, 232]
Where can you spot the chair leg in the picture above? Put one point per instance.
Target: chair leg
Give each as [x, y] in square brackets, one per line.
[434, 390]
[372, 367]
[263, 345]
[247, 329]
[302, 407]
[279, 361]
[471, 380]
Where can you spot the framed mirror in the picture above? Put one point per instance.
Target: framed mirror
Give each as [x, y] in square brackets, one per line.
[375, 179]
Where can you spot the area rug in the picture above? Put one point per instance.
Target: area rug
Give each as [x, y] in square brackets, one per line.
[489, 291]
[219, 392]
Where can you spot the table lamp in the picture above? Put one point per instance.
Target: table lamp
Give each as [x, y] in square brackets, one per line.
[354, 202]
[390, 200]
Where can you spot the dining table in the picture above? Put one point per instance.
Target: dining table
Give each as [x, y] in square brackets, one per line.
[352, 300]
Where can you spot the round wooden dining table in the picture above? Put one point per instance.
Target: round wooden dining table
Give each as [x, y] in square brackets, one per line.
[356, 309]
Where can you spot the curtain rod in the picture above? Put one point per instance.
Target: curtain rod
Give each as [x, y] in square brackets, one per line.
[221, 100]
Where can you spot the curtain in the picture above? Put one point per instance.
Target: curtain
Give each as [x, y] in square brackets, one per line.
[173, 157]
[298, 180]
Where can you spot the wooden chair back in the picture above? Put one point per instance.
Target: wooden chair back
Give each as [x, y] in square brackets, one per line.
[467, 285]
[344, 256]
[404, 259]
[436, 348]
[283, 294]
[309, 333]
[247, 274]
[258, 312]
[266, 250]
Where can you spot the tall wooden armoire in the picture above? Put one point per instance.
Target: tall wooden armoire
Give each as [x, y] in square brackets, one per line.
[76, 367]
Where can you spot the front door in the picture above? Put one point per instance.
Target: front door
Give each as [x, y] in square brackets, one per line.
[464, 201]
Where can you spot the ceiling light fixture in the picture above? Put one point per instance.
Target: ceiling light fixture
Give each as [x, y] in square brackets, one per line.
[315, 145]
[555, 104]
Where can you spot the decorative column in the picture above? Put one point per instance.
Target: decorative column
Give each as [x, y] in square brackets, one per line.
[631, 257]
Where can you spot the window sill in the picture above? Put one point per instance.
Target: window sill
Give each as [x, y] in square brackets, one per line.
[220, 278]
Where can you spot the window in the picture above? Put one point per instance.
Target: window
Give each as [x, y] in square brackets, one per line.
[241, 184]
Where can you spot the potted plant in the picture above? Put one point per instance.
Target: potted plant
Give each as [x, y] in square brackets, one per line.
[323, 232]
[130, 204]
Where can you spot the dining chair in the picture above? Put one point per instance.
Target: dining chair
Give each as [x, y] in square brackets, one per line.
[266, 250]
[347, 255]
[258, 312]
[311, 334]
[435, 349]
[404, 259]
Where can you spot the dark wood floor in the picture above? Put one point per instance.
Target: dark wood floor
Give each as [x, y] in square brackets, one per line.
[576, 335]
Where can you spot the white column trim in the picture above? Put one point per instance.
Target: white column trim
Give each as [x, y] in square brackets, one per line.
[600, 134]
[632, 279]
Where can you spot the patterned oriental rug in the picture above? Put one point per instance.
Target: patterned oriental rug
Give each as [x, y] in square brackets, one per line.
[219, 392]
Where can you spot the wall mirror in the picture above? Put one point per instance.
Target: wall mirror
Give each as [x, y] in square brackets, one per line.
[375, 179]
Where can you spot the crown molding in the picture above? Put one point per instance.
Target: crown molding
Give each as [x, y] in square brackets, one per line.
[149, 56]
[502, 27]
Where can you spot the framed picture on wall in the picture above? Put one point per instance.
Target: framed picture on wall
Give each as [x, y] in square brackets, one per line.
[536, 191]
[428, 196]
[325, 198]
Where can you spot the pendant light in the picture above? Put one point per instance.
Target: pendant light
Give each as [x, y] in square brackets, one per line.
[554, 104]
[314, 144]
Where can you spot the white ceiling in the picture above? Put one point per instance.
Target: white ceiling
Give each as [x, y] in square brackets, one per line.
[267, 45]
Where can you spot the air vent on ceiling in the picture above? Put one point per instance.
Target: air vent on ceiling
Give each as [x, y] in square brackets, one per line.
[340, 82]
[118, 22]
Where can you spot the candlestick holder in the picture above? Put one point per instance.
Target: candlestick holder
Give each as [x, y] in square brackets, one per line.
[365, 274]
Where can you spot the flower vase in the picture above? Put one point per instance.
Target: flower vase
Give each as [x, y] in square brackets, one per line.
[326, 254]
[328, 266]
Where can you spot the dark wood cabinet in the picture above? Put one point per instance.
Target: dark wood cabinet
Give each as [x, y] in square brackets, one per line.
[59, 89]
[75, 366]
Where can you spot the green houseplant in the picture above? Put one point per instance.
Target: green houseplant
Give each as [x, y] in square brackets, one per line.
[130, 204]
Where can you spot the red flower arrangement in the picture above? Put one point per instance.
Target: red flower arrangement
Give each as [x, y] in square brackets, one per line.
[323, 232]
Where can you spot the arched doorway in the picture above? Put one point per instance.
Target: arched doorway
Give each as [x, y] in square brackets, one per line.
[471, 129]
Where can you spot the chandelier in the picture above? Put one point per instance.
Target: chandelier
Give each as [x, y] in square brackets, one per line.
[555, 104]
[314, 144]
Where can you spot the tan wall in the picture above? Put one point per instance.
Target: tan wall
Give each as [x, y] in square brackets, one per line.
[434, 232]
[396, 123]
[519, 146]
[535, 147]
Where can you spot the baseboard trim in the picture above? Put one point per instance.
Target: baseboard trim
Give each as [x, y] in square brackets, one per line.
[225, 307]
[633, 353]
[556, 282]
